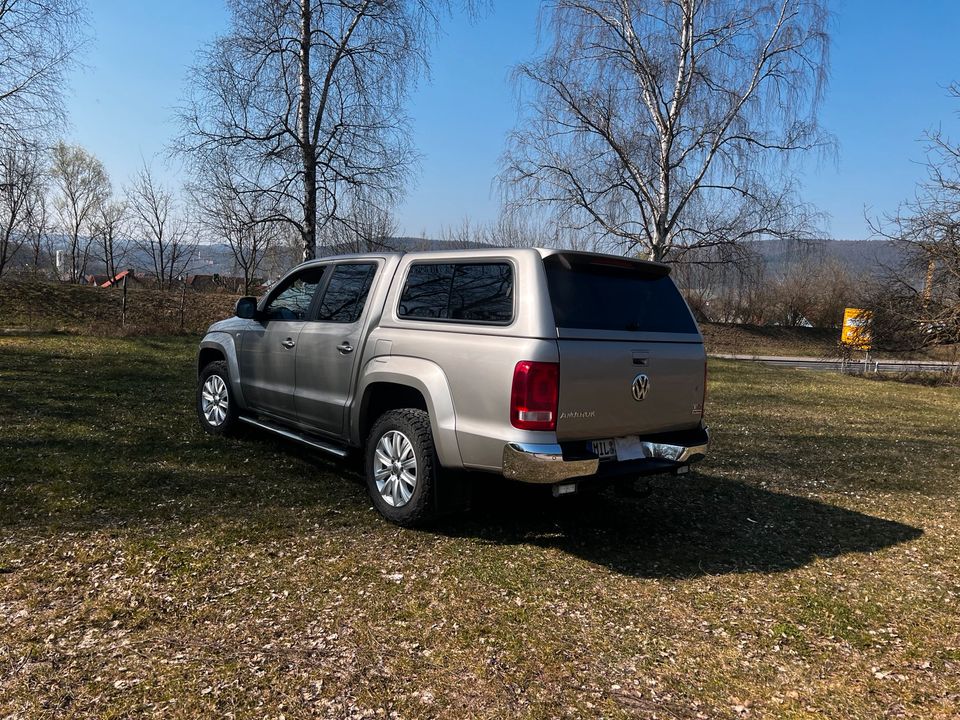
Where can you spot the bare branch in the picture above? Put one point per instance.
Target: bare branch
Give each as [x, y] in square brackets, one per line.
[38, 41]
[660, 125]
[162, 233]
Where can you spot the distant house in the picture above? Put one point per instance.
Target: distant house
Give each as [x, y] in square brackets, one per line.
[110, 280]
[95, 280]
[118, 278]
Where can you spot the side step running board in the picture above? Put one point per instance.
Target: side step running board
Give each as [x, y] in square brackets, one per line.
[298, 437]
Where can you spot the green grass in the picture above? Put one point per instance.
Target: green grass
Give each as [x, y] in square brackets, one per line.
[808, 569]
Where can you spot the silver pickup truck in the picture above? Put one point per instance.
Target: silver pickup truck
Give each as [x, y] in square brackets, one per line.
[544, 366]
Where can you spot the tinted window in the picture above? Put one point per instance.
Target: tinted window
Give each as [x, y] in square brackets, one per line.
[482, 292]
[467, 292]
[611, 295]
[345, 296]
[294, 297]
[427, 292]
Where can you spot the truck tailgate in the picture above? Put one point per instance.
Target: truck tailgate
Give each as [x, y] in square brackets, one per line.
[618, 388]
[631, 357]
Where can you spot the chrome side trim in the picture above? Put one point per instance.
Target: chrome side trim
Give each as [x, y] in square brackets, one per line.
[291, 435]
[536, 463]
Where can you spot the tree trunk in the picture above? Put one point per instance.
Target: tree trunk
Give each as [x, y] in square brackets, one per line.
[658, 248]
[74, 252]
[307, 148]
[247, 273]
[108, 258]
[6, 246]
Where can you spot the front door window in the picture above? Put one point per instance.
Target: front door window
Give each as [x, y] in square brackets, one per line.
[292, 302]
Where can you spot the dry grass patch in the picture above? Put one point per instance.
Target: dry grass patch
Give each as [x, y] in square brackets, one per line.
[809, 569]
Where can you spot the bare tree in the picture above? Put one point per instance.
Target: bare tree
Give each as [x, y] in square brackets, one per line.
[80, 185]
[365, 224]
[725, 290]
[784, 283]
[232, 210]
[512, 229]
[468, 234]
[37, 237]
[21, 187]
[109, 228]
[38, 39]
[664, 125]
[309, 93]
[282, 254]
[919, 305]
[834, 287]
[161, 232]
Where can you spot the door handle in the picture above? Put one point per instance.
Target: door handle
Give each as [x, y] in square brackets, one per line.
[345, 347]
[288, 343]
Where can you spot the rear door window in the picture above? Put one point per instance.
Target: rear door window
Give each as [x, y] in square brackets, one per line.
[459, 292]
[599, 294]
[346, 293]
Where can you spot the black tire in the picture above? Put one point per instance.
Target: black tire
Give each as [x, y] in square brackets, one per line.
[414, 426]
[228, 424]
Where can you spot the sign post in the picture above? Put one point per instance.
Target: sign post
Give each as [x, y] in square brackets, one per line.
[856, 332]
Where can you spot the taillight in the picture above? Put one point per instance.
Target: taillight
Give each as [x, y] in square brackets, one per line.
[534, 396]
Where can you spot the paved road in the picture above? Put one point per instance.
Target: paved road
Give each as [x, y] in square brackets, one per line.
[878, 365]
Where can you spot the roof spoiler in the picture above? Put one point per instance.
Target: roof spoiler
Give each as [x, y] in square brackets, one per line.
[584, 260]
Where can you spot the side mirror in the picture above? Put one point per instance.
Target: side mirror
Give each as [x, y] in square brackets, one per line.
[246, 308]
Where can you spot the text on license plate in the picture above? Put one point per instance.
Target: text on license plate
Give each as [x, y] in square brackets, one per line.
[605, 449]
[621, 448]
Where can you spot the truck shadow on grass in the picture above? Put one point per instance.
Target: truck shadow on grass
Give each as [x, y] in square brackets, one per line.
[701, 525]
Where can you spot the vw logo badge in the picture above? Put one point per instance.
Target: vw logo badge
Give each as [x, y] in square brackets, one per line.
[641, 384]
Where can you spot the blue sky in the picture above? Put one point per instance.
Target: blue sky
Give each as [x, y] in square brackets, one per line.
[890, 64]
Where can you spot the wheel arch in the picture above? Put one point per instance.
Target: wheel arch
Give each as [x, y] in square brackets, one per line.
[407, 382]
[221, 346]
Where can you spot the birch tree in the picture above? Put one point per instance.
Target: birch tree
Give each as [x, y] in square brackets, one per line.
[664, 125]
[309, 94]
[80, 185]
[364, 224]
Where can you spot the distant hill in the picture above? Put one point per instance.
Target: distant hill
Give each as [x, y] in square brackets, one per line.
[861, 257]
[870, 257]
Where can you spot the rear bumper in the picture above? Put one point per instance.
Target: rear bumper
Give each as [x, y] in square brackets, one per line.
[553, 463]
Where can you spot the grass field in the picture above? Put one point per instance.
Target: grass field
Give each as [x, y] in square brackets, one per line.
[810, 568]
[734, 339]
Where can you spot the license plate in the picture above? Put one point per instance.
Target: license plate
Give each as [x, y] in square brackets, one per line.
[605, 449]
[622, 448]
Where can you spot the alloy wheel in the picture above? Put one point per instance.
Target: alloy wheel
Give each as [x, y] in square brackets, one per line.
[395, 468]
[214, 400]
